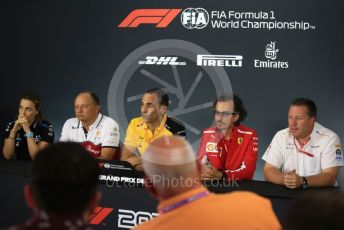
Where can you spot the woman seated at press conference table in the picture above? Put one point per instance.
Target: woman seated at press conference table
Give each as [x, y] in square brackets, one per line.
[29, 133]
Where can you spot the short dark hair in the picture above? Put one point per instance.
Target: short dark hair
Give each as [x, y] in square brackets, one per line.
[315, 210]
[238, 106]
[311, 107]
[162, 96]
[36, 100]
[93, 96]
[64, 178]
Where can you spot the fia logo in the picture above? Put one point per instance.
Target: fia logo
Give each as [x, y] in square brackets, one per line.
[271, 51]
[194, 18]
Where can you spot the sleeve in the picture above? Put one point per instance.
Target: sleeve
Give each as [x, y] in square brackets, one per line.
[8, 129]
[111, 135]
[65, 132]
[274, 153]
[47, 132]
[131, 136]
[248, 165]
[332, 155]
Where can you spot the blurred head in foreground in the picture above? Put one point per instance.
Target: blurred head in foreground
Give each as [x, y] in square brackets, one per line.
[173, 177]
[63, 180]
[316, 210]
[171, 167]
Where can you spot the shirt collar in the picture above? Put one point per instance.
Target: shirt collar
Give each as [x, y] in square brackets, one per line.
[97, 121]
[219, 135]
[316, 129]
[161, 126]
[33, 125]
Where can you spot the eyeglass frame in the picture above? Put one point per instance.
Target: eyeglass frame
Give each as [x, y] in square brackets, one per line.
[223, 114]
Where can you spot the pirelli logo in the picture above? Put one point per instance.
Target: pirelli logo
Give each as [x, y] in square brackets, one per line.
[160, 17]
[219, 60]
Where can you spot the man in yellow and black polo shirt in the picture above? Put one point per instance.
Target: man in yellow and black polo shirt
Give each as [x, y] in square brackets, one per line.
[152, 124]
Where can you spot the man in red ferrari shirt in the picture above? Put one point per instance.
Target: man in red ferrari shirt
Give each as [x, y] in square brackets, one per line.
[229, 150]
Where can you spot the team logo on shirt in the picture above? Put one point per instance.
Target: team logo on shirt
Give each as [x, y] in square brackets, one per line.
[338, 152]
[37, 138]
[114, 133]
[240, 140]
[212, 147]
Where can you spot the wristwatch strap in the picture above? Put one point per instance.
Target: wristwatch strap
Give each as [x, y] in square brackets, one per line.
[29, 134]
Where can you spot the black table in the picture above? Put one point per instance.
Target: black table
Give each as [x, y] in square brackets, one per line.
[124, 204]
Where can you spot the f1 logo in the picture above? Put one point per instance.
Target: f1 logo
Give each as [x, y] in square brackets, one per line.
[99, 214]
[161, 17]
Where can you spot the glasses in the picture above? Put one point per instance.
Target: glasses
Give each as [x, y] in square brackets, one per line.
[223, 114]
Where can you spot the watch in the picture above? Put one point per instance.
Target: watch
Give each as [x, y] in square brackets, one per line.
[29, 134]
[305, 183]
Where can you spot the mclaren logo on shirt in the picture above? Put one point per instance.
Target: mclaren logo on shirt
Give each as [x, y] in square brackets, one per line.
[212, 147]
